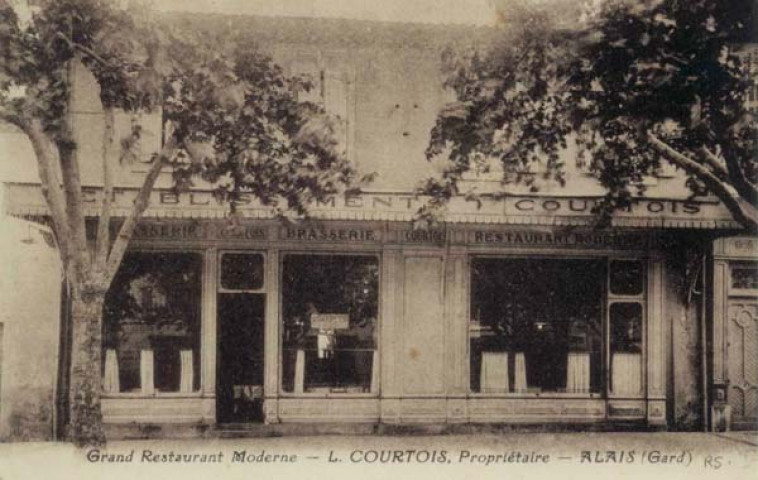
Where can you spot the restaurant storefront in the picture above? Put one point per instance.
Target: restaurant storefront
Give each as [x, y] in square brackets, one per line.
[498, 315]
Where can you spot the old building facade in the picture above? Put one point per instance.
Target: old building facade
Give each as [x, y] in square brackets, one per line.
[515, 311]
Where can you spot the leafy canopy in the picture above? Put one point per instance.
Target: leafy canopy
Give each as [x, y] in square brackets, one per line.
[630, 83]
[232, 113]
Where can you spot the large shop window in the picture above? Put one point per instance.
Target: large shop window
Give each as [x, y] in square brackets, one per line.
[151, 327]
[329, 305]
[538, 325]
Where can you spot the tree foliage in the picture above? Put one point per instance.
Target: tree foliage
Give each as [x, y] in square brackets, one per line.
[632, 83]
[231, 117]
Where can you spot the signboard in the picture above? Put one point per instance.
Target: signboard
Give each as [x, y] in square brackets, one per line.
[742, 247]
[330, 234]
[518, 238]
[330, 321]
[26, 199]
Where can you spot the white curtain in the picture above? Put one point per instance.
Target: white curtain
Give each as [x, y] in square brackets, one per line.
[111, 382]
[299, 371]
[578, 372]
[627, 373]
[146, 372]
[494, 372]
[520, 373]
[325, 343]
[186, 370]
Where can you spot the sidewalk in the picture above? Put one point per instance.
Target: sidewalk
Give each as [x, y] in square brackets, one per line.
[503, 456]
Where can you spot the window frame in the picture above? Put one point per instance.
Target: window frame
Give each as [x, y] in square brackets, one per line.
[741, 292]
[200, 392]
[641, 299]
[375, 253]
[219, 285]
[608, 299]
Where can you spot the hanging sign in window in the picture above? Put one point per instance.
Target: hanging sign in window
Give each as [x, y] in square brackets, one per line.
[330, 321]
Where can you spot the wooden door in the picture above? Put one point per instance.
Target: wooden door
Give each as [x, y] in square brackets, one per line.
[742, 363]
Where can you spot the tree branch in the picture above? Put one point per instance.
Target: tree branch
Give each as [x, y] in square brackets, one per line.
[11, 117]
[740, 182]
[51, 188]
[742, 211]
[72, 186]
[102, 242]
[140, 205]
[87, 51]
[713, 161]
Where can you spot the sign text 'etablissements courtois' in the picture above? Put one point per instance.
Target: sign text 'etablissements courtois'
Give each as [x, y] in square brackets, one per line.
[408, 203]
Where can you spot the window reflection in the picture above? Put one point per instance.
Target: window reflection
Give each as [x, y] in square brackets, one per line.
[626, 277]
[626, 347]
[330, 311]
[151, 327]
[536, 325]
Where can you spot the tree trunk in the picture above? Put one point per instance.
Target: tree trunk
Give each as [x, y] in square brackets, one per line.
[85, 423]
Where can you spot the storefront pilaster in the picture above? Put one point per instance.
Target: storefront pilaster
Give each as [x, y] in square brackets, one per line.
[456, 338]
[390, 339]
[271, 339]
[656, 341]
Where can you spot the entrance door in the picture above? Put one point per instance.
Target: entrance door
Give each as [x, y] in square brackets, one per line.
[240, 327]
[742, 353]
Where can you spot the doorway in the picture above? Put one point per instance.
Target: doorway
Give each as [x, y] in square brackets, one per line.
[240, 336]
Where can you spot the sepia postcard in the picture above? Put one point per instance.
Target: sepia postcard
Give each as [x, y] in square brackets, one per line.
[416, 239]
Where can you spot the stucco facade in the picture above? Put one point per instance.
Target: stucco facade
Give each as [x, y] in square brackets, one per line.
[421, 345]
[30, 285]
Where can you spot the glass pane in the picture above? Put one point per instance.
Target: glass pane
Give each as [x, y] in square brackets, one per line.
[745, 276]
[626, 327]
[151, 327]
[626, 277]
[241, 271]
[626, 348]
[330, 306]
[240, 357]
[536, 325]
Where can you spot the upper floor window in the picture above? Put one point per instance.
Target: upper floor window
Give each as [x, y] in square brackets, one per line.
[331, 89]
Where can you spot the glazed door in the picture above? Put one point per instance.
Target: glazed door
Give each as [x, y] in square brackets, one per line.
[240, 315]
[742, 354]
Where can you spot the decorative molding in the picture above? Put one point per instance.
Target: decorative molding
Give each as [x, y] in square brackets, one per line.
[656, 412]
[328, 410]
[720, 355]
[159, 410]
